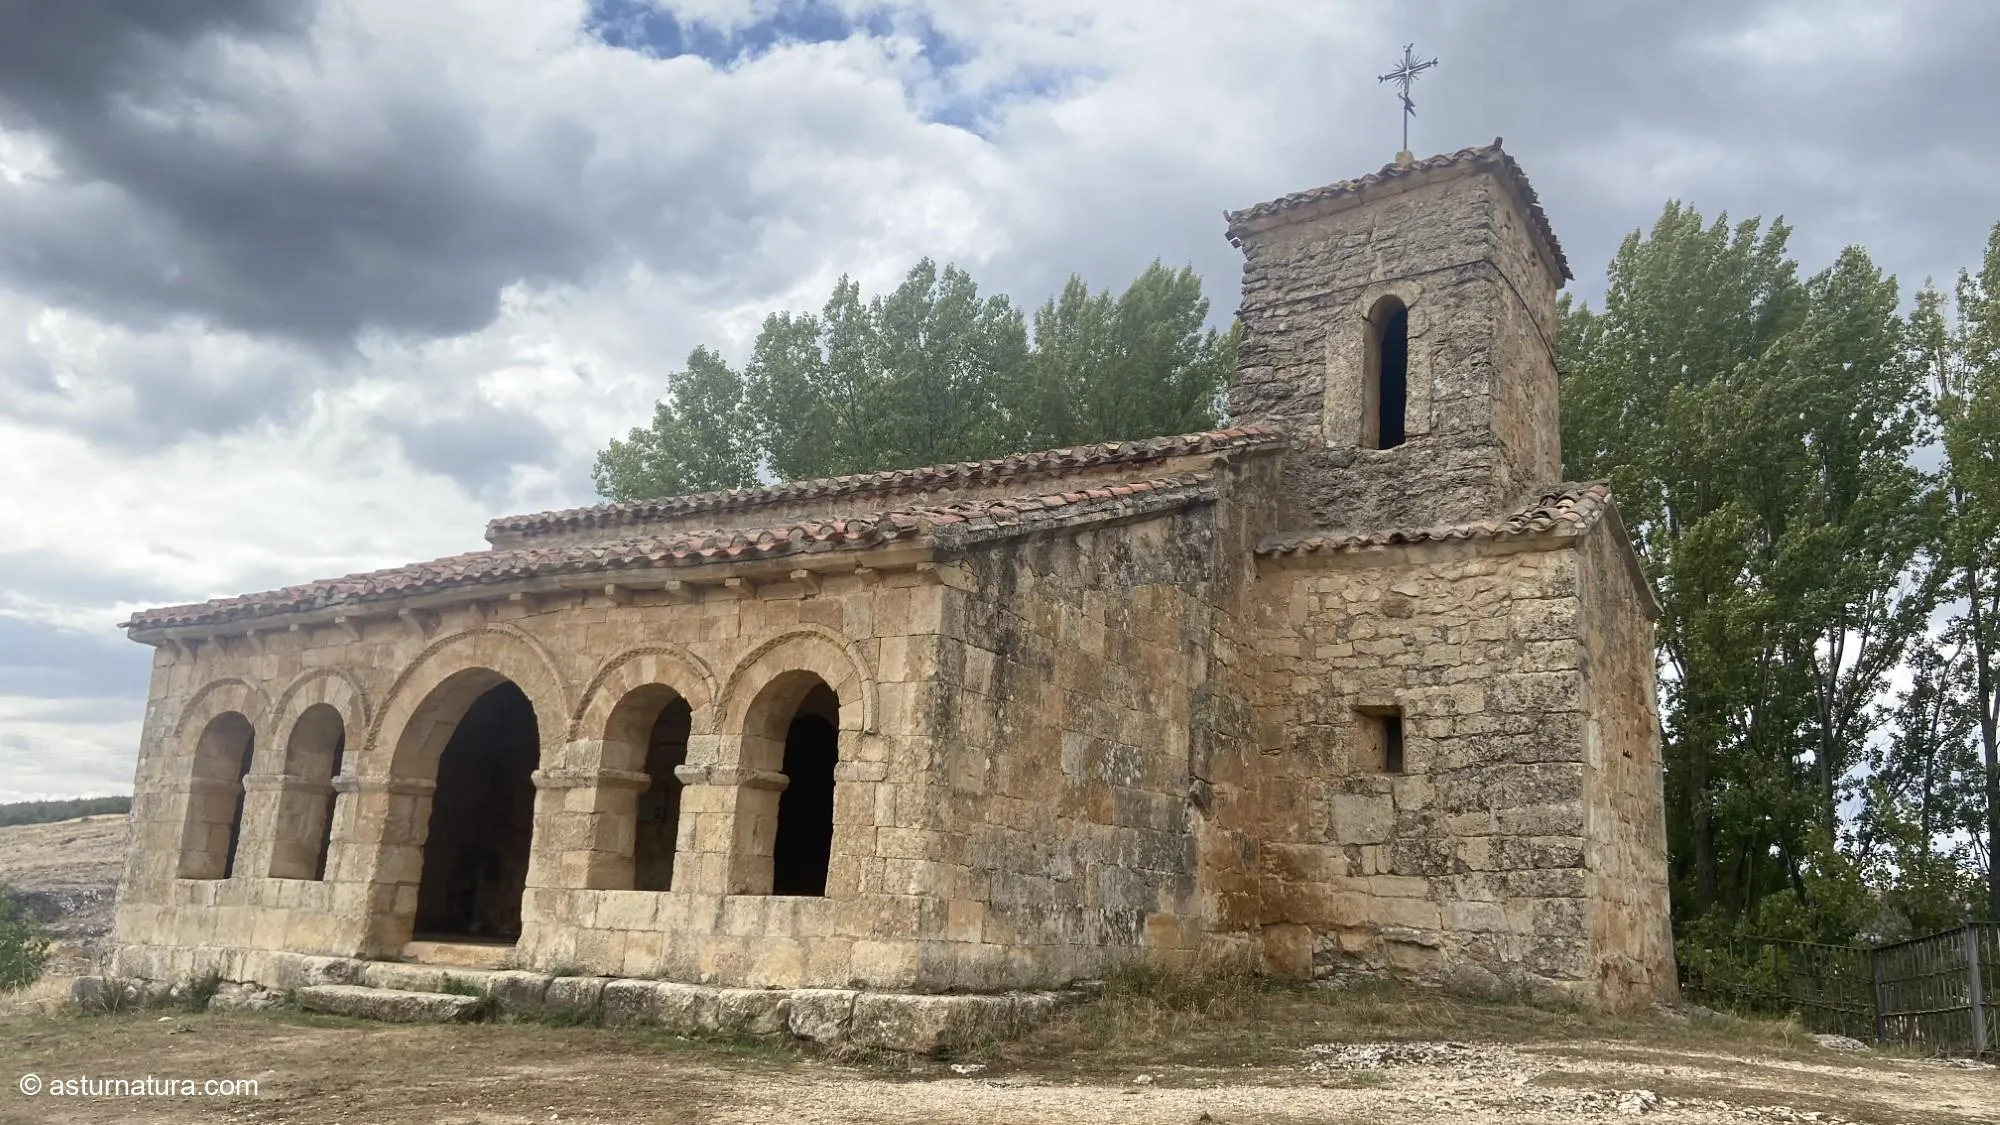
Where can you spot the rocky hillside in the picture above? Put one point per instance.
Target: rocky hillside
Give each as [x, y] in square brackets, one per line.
[66, 874]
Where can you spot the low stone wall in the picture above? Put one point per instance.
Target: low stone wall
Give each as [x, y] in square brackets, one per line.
[893, 1021]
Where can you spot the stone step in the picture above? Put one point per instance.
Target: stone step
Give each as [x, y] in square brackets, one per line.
[389, 1005]
[459, 954]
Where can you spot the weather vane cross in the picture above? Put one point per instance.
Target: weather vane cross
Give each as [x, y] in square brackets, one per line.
[1406, 72]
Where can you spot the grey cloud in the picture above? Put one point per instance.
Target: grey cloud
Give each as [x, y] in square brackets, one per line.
[45, 662]
[477, 446]
[1870, 145]
[44, 576]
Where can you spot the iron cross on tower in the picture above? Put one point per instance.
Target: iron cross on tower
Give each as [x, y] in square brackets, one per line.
[1406, 72]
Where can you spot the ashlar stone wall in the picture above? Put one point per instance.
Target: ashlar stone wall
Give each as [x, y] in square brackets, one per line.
[1470, 863]
[1066, 680]
[1456, 250]
[1625, 818]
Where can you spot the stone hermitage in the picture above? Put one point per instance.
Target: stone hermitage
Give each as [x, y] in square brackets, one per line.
[1356, 684]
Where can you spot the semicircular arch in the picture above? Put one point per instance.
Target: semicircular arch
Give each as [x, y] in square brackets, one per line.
[333, 687]
[472, 662]
[807, 648]
[669, 665]
[217, 697]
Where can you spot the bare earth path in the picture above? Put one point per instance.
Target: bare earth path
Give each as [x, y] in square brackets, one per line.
[313, 1071]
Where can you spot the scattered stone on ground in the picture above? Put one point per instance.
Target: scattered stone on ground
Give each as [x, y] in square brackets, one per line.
[1840, 1043]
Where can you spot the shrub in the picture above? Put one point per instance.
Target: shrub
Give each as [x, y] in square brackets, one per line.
[24, 945]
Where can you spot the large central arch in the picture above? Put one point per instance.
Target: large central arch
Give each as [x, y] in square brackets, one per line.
[450, 780]
[482, 821]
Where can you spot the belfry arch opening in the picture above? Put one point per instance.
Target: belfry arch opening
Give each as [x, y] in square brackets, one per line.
[304, 830]
[648, 732]
[794, 729]
[1385, 424]
[481, 822]
[214, 825]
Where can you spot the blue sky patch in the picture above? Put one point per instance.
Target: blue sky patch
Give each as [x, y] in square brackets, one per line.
[650, 29]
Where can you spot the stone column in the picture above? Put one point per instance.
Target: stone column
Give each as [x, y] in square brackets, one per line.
[585, 820]
[264, 830]
[729, 823]
[378, 857]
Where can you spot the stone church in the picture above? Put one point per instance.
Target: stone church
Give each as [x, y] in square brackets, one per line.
[1356, 684]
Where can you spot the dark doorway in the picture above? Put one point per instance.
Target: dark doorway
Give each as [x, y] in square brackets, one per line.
[1393, 375]
[482, 819]
[804, 844]
[660, 805]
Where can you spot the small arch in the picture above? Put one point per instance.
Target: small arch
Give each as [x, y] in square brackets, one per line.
[1386, 375]
[836, 660]
[323, 685]
[792, 727]
[648, 732]
[306, 801]
[634, 668]
[213, 826]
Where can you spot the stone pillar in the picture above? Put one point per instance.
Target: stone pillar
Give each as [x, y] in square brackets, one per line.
[266, 831]
[585, 819]
[378, 852]
[729, 824]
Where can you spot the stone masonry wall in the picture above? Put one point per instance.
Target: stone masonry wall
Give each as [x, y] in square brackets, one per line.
[1456, 252]
[1471, 863]
[1063, 719]
[1625, 811]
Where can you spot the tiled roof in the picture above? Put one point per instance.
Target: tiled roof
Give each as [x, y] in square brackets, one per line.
[952, 522]
[889, 482]
[1568, 508]
[1240, 222]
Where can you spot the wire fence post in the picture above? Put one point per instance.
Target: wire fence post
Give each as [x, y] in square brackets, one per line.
[1976, 990]
[1875, 974]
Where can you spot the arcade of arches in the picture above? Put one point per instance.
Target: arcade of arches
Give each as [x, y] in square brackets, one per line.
[478, 830]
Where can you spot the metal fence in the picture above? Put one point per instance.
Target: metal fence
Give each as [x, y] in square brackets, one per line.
[1940, 992]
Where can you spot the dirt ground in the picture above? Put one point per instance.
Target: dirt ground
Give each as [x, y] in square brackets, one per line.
[1187, 1050]
[1285, 1057]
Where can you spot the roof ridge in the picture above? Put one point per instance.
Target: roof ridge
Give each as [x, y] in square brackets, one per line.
[1239, 221]
[688, 548]
[1562, 509]
[1033, 463]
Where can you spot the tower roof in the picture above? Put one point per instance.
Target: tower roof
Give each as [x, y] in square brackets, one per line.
[1394, 178]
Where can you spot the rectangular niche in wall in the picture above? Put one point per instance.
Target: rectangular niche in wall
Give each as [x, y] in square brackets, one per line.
[1381, 738]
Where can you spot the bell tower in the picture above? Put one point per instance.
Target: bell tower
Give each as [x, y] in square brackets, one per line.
[1401, 327]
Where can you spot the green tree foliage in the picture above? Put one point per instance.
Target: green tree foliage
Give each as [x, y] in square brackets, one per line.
[1759, 431]
[931, 372]
[24, 945]
[1139, 366]
[699, 439]
[1961, 357]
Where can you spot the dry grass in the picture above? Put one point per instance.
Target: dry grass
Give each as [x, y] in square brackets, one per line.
[47, 996]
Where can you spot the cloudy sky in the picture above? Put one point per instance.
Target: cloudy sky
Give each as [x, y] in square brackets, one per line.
[289, 290]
